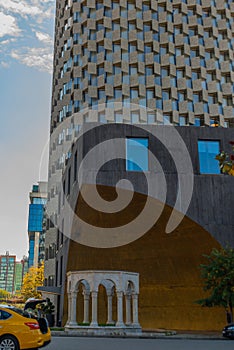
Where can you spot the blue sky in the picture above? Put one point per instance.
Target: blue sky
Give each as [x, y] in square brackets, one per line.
[26, 51]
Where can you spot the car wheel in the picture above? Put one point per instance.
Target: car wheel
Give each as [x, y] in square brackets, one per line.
[9, 343]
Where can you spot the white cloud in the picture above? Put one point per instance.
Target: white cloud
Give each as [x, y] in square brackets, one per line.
[40, 58]
[8, 25]
[20, 7]
[44, 37]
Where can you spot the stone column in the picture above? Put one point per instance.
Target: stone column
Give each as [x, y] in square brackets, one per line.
[109, 307]
[73, 321]
[119, 322]
[86, 307]
[135, 310]
[69, 309]
[94, 322]
[128, 309]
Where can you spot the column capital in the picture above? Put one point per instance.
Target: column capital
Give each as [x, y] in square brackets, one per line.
[119, 293]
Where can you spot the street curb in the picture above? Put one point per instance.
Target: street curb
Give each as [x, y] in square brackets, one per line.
[144, 335]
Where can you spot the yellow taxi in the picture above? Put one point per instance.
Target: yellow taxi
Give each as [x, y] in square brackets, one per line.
[20, 330]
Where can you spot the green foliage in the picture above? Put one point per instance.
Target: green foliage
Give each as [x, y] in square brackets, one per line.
[218, 276]
[226, 161]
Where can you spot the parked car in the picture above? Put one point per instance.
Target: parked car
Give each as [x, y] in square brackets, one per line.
[19, 329]
[228, 331]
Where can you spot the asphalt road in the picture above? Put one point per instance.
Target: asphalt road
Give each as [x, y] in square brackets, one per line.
[83, 343]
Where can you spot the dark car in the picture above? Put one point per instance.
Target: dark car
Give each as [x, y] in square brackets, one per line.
[228, 331]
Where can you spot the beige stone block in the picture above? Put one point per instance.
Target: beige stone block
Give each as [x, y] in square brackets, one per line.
[117, 80]
[100, 35]
[107, 22]
[158, 91]
[85, 83]
[109, 90]
[188, 71]
[91, 23]
[154, 25]
[165, 60]
[116, 13]
[116, 35]
[227, 89]
[77, 72]
[223, 45]
[124, 66]
[92, 46]
[133, 57]
[134, 80]
[141, 67]
[213, 109]
[149, 59]
[117, 57]
[76, 6]
[100, 57]
[179, 40]
[150, 81]
[147, 16]
[181, 84]
[156, 46]
[212, 86]
[187, 49]
[108, 44]
[166, 83]
[210, 64]
[209, 43]
[207, 22]
[110, 115]
[108, 67]
[191, 117]
[192, 20]
[99, 14]
[164, 38]
[228, 111]
[124, 44]
[123, 23]
[197, 85]
[78, 95]
[190, 94]
[148, 37]
[91, 4]
[139, 23]
[198, 108]
[183, 107]
[142, 90]
[203, 72]
[167, 106]
[162, 17]
[126, 90]
[174, 93]
[143, 114]
[132, 35]
[225, 67]
[92, 91]
[101, 81]
[154, 5]
[151, 103]
[194, 41]
[140, 45]
[220, 97]
[157, 68]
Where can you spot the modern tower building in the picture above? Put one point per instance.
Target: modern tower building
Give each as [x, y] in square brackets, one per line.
[159, 75]
[36, 224]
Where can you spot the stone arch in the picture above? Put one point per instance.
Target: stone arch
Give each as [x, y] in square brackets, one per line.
[107, 302]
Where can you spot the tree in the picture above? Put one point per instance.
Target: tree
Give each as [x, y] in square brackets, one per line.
[218, 276]
[33, 279]
[226, 161]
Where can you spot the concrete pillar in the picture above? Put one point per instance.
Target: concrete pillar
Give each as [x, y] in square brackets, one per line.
[73, 321]
[109, 308]
[119, 322]
[135, 310]
[94, 322]
[128, 309]
[69, 308]
[86, 306]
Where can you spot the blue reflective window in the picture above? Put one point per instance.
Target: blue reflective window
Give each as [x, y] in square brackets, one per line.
[207, 151]
[137, 154]
[35, 221]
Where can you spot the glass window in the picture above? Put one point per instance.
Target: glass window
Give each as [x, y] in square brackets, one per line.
[207, 151]
[137, 154]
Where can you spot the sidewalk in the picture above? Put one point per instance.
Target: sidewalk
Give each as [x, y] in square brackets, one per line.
[156, 334]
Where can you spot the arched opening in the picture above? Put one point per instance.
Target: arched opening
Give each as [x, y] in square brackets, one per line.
[107, 303]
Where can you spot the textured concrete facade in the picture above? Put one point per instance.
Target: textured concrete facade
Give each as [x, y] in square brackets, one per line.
[168, 264]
